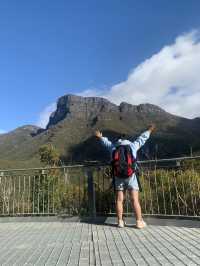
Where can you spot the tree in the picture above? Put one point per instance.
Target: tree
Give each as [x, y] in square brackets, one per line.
[49, 155]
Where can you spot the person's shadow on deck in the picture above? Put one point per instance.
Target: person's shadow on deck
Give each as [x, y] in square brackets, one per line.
[151, 221]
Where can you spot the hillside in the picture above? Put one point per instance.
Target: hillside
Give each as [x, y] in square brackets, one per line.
[71, 127]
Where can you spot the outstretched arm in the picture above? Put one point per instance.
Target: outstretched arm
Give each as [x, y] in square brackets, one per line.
[105, 141]
[140, 141]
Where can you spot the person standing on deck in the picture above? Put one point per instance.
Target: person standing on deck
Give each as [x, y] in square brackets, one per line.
[126, 148]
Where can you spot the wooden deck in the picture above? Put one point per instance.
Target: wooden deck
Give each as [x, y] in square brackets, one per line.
[76, 243]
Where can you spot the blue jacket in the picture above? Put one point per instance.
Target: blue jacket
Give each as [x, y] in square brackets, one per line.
[135, 145]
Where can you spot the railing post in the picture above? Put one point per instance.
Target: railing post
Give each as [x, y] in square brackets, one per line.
[91, 193]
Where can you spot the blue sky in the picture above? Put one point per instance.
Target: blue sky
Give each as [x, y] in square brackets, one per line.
[51, 48]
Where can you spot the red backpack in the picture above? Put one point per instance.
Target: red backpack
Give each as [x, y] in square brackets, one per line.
[123, 162]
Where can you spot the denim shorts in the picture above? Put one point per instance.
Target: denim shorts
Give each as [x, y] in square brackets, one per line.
[126, 183]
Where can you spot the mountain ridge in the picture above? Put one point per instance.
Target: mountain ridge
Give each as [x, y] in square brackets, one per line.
[71, 127]
[65, 107]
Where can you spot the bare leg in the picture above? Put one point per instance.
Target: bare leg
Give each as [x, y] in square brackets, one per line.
[134, 195]
[119, 204]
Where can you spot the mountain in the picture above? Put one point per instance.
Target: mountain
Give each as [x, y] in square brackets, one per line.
[71, 127]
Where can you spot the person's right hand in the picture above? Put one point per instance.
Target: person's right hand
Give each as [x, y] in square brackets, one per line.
[98, 134]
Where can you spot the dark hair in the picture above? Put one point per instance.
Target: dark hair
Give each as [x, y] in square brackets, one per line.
[122, 136]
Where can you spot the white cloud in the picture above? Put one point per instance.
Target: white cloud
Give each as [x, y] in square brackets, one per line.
[170, 79]
[92, 92]
[45, 114]
[2, 131]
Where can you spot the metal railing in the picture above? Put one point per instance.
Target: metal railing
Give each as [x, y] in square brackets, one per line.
[170, 187]
[47, 191]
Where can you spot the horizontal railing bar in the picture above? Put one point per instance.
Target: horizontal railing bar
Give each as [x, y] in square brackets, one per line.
[97, 163]
[43, 168]
[171, 159]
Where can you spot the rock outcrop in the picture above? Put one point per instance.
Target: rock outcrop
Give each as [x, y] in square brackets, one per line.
[77, 107]
[91, 108]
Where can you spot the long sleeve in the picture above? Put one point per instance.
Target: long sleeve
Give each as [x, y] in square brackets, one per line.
[107, 143]
[140, 141]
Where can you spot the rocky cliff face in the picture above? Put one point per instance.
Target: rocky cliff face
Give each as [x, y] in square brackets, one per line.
[90, 108]
[77, 107]
[141, 108]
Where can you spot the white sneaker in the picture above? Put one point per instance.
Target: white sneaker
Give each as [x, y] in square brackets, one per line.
[140, 224]
[121, 224]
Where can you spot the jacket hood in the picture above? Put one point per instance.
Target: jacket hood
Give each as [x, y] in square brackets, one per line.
[123, 142]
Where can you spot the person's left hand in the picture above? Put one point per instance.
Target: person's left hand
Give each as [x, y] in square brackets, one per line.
[152, 128]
